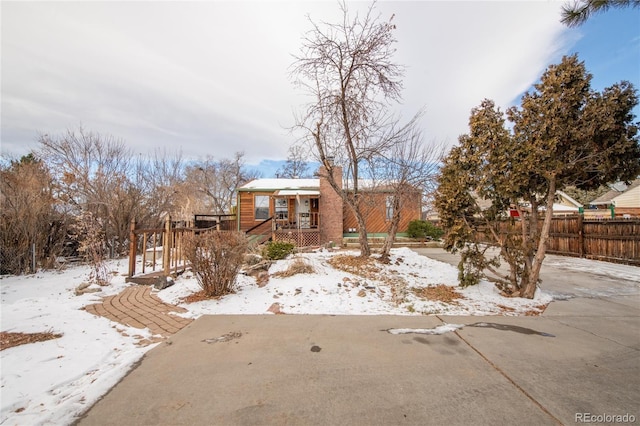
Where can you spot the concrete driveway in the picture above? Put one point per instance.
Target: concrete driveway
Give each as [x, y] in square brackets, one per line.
[579, 362]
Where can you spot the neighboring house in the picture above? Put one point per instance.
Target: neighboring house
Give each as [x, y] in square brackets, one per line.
[565, 205]
[309, 212]
[621, 201]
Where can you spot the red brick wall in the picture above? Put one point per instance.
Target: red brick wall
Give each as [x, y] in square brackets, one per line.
[330, 207]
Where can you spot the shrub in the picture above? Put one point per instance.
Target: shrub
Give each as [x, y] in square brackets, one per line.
[424, 229]
[88, 232]
[216, 258]
[276, 250]
[298, 266]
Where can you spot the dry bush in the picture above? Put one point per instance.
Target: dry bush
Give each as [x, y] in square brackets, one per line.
[89, 233]
[298, 266]
[362, 266]
[440, 292]
[29, 217]
[216, 258]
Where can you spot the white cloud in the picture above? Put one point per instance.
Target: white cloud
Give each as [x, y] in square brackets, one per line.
[462, 52]
[212, 77]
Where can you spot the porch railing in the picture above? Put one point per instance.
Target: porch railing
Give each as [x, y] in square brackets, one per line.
[309, 220]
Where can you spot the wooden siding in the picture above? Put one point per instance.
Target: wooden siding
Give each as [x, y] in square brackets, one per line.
[375, 213]
[246, 212]
[247, 215]
[374, 210]
[628, 199]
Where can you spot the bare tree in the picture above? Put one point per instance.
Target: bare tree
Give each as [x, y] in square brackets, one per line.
[215, 182]
[406, 171]
[296, 165]
[94, 173]
[348, 70]
[163, 179]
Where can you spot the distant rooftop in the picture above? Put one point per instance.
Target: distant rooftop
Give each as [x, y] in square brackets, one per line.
[616, 189]
[275, 184]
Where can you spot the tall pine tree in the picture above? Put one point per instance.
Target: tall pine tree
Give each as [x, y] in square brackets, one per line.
[564, 134]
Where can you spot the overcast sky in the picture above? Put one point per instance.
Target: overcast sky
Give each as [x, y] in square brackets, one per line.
[211, 78]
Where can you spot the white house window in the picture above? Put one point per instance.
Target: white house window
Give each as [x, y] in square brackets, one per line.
[282, 209]
[261, 205]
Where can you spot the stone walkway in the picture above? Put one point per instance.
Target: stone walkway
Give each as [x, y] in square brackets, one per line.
[137, 307]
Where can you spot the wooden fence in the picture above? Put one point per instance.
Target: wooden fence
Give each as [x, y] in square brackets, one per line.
[162, 249]
[612, 240]
[157, 244]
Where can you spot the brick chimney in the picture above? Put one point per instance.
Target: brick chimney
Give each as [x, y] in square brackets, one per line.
[330, 207]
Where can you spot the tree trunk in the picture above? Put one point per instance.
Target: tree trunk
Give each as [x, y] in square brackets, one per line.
[391, 234]
[365, 250]
[529, 287]
[528, 224]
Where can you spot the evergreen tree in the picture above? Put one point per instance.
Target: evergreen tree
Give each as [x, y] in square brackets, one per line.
[564, 134]
[577, 13]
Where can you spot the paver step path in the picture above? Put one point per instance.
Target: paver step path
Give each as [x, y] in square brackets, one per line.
[138, 307]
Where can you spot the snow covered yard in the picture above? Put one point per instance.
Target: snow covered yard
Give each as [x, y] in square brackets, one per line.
[362, 289]
[54, 381]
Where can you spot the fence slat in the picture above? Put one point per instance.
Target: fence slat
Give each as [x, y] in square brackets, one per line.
[613, 240]
[171, 239]
[616, 240]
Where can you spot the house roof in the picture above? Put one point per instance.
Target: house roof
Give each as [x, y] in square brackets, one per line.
[617, 189]
[569, 199]
[562, 208]
[484, 203]
[630, 197]
[606, 197]
[381, 185]
[281, 184]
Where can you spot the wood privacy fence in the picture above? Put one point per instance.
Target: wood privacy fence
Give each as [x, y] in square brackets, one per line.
[612, 240]
[162, 249]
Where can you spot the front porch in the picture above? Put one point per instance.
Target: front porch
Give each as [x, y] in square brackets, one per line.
[296, 218]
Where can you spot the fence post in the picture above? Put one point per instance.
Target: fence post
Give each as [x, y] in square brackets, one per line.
[166, 247]
[33, 258]
[133, 244]
[581, 235]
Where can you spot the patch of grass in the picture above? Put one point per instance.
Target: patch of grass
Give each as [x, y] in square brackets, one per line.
[10, 340]
[199, 296]
[363, 266]
[442, 293]
[298, 266]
